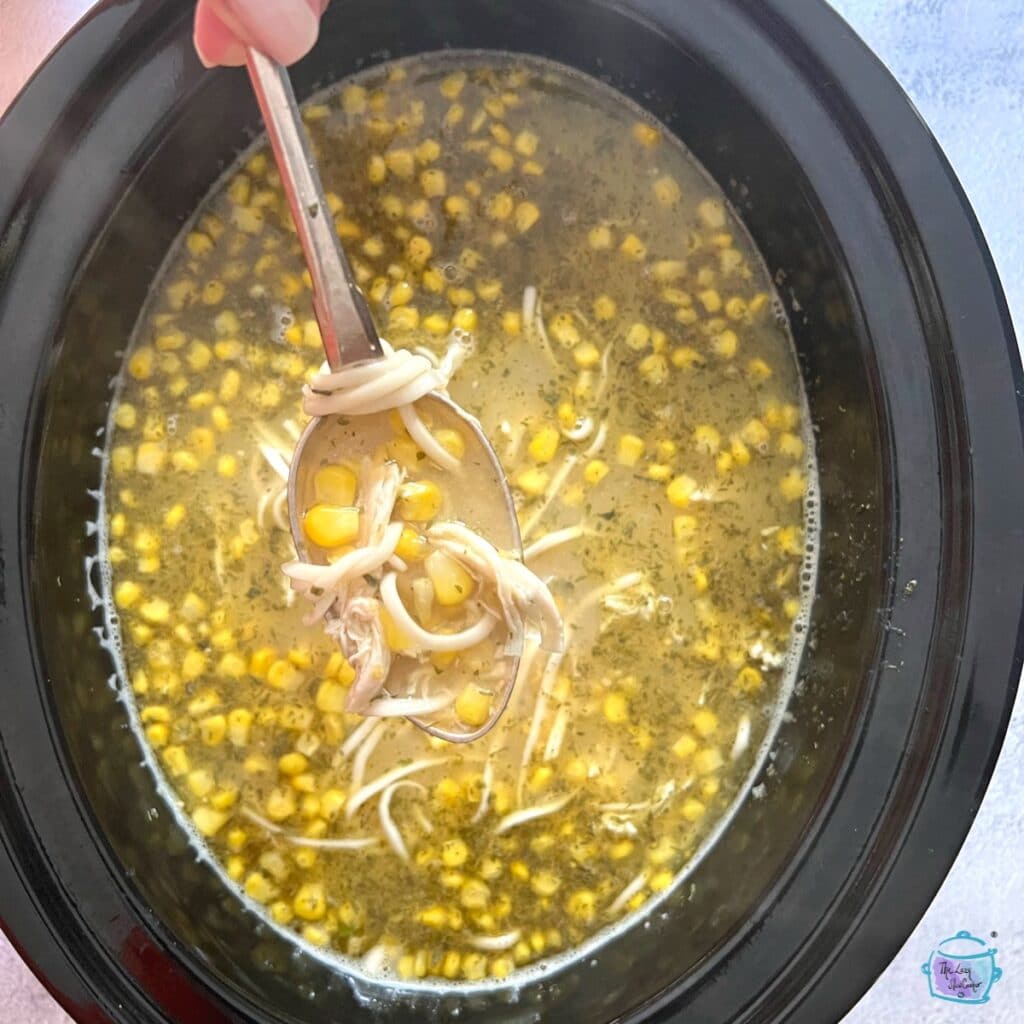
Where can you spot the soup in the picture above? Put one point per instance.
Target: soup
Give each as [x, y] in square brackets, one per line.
[629, 362]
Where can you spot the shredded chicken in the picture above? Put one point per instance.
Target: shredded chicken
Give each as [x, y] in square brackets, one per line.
[525, 598]
[352, 593]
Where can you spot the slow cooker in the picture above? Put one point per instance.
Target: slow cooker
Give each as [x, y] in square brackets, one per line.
[914, 385]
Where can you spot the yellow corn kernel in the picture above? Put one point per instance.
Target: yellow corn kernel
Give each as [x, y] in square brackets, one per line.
[353, 99]
[704, 722]
[686, 358]
[595, 471]
[310, 903]
[376, 169]
[630, 449]
[452, 584]
[140, 365]
[126, 416]
[156, 611]
[283, 675]
[404, 318]
[401, 294]
[200, 782]
[706, 439]
[261, 661]
[258, 887]
[600, 237]
[433, 182]
[654, 368]
[126, 594]
[708, 760]
[454, 853]
[710, 300]
[616, 708]
[793, 485]
[684, 747]
[280, 804]
[604, 308]
[700, 579]
[791, 446]
[193, 607]
[711, 213]
[418, 250]
[666, 190]
[750, 680]
[545, 883]
[292, 763]
[227, 466]
[239, 724]
[646, 134]
[473, 706]
[519, 871]
[532, 482]
[500, 158]
[335, 485]
[448, 792]
[331, 697]
[433, 917]
[419, 500]
[500, 206]
[582, 905]
[400, 162]
[735, 308]
[412, 546]
[176, 761]
[465, 319]
[709, 649]
[633, 248]
[208, 821]
[661, 881]
[193, 665]
[121, 460]
[725, 344]
[758, 370]
[789, 540]
[185, 462]
[680, 490]
[150, 457]
[213, 729]
[212, 293]
[544, 444]
[527, 214]
[331, 526]
[219, 418]
[436, 324]
[474, 966]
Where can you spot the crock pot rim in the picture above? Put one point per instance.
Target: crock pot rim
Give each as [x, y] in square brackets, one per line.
[821, 32]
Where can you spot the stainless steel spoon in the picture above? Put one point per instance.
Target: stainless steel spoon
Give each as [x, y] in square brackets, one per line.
[349, 335]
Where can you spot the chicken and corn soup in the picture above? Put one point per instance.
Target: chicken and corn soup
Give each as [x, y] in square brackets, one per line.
[624, 351]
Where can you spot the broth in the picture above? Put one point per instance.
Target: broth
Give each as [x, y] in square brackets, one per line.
[640, 386]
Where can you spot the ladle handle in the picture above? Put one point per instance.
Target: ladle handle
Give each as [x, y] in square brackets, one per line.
[345, 324]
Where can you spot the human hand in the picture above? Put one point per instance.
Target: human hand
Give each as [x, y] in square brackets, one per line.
[284, 30]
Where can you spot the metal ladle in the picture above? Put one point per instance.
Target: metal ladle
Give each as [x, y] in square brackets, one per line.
[349, 335]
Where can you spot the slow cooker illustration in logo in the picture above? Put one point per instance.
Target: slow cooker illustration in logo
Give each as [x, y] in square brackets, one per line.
[962, 969]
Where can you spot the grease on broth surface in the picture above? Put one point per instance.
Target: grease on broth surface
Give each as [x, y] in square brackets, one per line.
[643, 394]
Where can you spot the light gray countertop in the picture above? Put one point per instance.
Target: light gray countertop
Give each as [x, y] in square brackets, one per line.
[962, 62]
